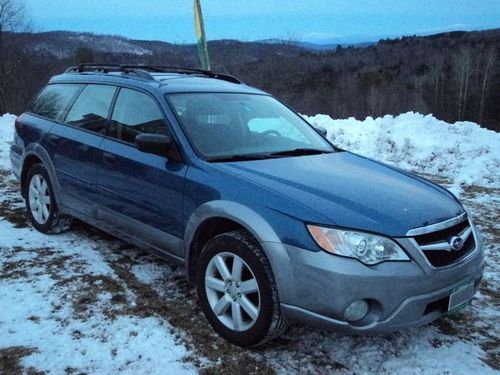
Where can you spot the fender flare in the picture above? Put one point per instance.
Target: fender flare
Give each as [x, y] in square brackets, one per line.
[243, 215]
[34, 149]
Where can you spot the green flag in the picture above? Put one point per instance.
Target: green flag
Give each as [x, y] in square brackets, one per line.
[200, 36]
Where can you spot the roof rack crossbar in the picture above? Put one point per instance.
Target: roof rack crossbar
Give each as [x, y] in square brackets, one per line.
[106, 68]
[144, 71]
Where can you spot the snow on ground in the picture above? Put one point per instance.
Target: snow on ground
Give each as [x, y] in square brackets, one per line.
[46, 285]
[84, 301]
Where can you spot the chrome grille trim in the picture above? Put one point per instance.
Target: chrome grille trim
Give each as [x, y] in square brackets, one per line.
[437, 247]
[446, 246]
[438, 226]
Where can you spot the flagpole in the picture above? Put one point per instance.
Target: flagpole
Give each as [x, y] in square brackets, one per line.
[200, 36]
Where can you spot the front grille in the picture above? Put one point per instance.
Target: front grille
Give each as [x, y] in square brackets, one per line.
[445, 257]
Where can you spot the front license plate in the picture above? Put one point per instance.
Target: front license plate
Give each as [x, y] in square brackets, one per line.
[460, 296]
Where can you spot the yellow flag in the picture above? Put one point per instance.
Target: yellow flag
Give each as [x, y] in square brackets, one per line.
[201, 40]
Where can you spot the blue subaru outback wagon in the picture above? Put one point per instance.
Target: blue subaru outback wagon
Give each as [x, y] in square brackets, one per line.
[272, 222]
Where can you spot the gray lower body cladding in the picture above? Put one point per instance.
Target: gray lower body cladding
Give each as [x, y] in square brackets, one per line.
[317, 287]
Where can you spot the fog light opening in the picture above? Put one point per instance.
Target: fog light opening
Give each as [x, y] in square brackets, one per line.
[356, 310]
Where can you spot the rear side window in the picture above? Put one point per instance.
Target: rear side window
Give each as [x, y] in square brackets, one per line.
[135, 113]
[90, 111]
[54, 99]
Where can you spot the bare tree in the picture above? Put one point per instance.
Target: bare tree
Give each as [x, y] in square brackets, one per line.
[436, 82]
[463, 70]
[13, 18]
[490, 61]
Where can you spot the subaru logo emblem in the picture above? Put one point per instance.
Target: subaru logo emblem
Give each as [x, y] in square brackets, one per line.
[456, 243]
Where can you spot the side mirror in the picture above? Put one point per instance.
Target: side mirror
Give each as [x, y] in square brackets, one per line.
[321, 131]
[158, 144]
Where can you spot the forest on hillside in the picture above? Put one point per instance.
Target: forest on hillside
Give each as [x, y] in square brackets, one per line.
[455, 75]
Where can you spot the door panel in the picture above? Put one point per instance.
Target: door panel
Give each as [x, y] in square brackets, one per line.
[75, 146]
[146, 188]
[143, 187]
[76, 156]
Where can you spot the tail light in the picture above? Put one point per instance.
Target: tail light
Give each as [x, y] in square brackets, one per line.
[18, 124]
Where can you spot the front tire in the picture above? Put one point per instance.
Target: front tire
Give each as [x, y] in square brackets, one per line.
[237, 291]
[41, 204]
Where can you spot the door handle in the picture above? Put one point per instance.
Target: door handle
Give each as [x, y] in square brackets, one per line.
[109, 159]
[54, 139]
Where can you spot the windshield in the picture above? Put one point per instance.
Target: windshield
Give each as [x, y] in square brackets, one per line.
[228, 126]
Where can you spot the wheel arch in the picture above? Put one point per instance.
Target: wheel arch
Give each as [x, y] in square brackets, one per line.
[34, 155]
[216, 217]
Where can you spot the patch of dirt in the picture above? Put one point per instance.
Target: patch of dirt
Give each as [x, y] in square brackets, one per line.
[468, 324]
[86, 290]
[178, 306]
[12, 206]
[10, 361]
[436, 179]
[16, 216]
[177, 303]
[488, 289]
[127, 296]
[4, 174]
[45, 260]
[492, 349]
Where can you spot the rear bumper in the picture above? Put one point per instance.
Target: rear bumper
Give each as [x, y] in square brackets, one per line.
[15, 160]
[317, 287]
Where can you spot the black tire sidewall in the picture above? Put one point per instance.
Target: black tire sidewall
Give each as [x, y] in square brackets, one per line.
[38, 169]
[232, 244]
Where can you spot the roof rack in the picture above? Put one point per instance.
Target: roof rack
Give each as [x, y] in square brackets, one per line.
[144, 71]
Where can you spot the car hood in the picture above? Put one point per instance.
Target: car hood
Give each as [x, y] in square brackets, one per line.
[351, 191]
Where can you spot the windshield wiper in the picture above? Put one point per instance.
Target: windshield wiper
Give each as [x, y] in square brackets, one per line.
[241, 157]
[270, 155]
[300, 151]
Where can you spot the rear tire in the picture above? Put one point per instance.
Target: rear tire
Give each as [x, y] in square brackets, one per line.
[41, 204]
[237, 291]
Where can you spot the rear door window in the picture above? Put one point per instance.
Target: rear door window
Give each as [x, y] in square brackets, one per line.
[90, 111]
[135, 113]
[54, 100]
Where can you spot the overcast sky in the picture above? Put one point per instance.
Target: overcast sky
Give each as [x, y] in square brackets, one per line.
[312, 21]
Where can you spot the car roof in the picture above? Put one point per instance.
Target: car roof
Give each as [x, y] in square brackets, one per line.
[172, 80]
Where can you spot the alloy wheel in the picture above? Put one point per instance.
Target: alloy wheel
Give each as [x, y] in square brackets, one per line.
[232, 291]
[39, 199]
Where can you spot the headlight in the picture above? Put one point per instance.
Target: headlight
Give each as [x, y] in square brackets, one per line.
[368, 248]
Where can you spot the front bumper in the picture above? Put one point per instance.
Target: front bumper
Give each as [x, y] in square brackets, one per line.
[317, 287]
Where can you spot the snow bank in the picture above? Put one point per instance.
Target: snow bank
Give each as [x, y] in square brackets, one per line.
[463, 152]
[6, 137]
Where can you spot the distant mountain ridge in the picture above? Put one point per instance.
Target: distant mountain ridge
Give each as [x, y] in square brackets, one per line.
[320, 46]
[64, 44]
[453, 75]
